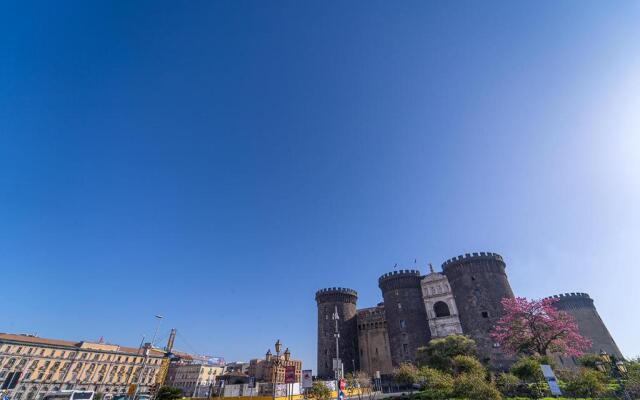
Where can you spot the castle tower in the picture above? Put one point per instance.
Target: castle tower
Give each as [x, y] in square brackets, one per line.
[345, 301]
[405, 314]
[580, 306]
[479, 283]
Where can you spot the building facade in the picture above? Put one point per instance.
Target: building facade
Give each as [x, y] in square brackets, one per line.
[272, 367]
[237, 367]
[465, 298]
[440, 305]
[194, 379]
[375, 355]
[31, 366]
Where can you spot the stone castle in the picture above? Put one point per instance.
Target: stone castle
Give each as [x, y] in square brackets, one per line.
[462, 299]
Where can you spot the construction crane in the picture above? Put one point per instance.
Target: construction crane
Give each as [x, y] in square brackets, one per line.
[164, 366]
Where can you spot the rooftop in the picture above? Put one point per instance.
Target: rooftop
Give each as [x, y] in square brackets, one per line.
[81, 345]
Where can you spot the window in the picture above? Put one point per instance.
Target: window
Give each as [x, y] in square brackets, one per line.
[403, 324]
[405, 348]
[441, 309]
[485, 314]
[399, 306]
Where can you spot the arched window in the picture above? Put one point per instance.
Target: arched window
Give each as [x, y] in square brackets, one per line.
[441, 309]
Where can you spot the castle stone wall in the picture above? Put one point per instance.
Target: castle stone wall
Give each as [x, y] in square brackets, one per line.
[373, 340]
[345, 301]
[405, 314]
[479, 283]
[590, 325]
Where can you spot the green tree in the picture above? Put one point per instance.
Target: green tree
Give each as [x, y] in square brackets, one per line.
[439, 353]
[585, 383]
[319, 391]
[351, 381]
[169, 393]
[435, 384]
[406, 374]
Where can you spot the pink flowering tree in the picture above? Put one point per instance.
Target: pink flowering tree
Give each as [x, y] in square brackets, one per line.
[536, 327]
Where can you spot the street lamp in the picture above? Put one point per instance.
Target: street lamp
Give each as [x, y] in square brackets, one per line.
[159, 318]
[276, 363]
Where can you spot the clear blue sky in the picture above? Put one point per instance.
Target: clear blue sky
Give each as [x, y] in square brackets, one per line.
[217, 162]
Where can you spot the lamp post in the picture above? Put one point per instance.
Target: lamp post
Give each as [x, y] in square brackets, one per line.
[145, 359]
[276, 362]
[159, 318]
[338, 361]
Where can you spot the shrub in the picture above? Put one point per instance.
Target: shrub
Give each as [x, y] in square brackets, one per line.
[435, 385]
[632, 385]
[509, 385]
[528, 369]
[590, 360]
[319, 391]
[586, 383]
[439, 353]
[471, 386]
[468, 365]
[537, 390]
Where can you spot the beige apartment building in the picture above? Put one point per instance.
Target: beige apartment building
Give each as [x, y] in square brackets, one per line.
[195, 380]
[31, 366]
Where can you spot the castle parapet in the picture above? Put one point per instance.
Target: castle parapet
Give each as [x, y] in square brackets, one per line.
[473, 257]
[332, 294]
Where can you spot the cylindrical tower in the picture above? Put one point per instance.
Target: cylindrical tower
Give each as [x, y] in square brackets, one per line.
[405, 314]
[344, 300]
[479, 283]
[580, 306]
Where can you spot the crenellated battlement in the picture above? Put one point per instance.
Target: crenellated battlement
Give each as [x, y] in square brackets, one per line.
[472, 257]
[336, 292]
[568, 301]
[569, 295]
[398, 274]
